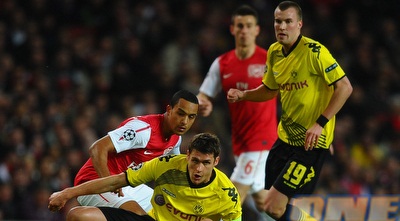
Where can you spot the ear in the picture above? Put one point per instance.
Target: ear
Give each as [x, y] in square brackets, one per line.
[187, 155]
[231, 30]
[300, 25]
[257, 30]
[168, 109]
[216, 161]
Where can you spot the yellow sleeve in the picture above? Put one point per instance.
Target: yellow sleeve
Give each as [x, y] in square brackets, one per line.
[268, 78]
[142, 173]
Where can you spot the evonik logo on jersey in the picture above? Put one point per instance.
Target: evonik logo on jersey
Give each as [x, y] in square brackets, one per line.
[182, 215]
[350, 207]
[293, 86]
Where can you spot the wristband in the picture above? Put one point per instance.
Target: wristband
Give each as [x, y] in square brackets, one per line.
[322, 120]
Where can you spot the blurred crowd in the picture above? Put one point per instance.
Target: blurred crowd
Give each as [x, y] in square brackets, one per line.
[72, 70]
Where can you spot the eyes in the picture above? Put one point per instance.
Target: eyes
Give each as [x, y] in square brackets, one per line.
[184, 114]
[205, 162]
[288, 21]
[248, 25]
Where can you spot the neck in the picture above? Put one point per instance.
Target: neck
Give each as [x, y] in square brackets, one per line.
[244, 52]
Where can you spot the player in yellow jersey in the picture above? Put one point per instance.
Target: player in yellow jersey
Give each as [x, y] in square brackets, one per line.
[313, 88]
[187, 187]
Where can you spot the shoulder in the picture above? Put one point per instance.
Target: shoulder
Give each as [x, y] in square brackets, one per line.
[223, 180]
[151, 118]
[227, 56]
[274, 46]
[227, 189]
[261, 50]
[172, 160]
[312, 44]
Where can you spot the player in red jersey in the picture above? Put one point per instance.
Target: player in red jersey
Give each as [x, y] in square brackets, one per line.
[254, 124]
[138, 139]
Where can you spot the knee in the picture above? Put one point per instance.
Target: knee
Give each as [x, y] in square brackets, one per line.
[79, 214]
[73, 215]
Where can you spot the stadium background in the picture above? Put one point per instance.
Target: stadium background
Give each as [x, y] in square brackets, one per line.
[72, 70]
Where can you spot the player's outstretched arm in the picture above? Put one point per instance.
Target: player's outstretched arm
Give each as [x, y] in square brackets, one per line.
[259, 94]
[58, 199]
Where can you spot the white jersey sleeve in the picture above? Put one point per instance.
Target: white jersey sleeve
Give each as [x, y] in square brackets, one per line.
[211, 85]
[134, 134]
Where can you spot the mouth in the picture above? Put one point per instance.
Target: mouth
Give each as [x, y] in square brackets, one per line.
[196, 177]
[281, 35]
[181, 129]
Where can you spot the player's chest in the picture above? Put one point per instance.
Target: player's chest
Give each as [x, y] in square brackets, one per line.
[292, 70]
[242, 76]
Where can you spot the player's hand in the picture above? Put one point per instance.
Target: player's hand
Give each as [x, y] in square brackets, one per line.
[57, 201]
[312, 136]
[205, 106]
[119, 192]
[234, 95]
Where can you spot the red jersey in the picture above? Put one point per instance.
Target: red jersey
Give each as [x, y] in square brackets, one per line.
[254, 124]
[136, 140]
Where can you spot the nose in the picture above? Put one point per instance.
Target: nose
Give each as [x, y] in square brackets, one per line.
[200, 167]
[282, 25]
[185, 120]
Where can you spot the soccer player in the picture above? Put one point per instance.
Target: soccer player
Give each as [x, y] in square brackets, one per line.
[254, 124]
[187, 187]
[138, 139]
[313, 88]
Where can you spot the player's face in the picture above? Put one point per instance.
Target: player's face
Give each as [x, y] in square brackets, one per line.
[181, 117]
[245, 30]
[200, 166]
[287, 26]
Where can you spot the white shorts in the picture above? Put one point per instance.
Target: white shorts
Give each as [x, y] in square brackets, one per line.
[250, 170]
[141, 194]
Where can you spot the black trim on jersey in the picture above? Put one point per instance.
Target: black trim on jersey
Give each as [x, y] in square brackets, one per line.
[192, 185]
[126, 177]
[293, 46]
[337, 80]
[270, 88]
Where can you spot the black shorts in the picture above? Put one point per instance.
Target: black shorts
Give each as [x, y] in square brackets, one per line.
[117, 214]
[293, 170]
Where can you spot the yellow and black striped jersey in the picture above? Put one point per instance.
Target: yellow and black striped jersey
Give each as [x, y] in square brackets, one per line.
[305, 79]
[175, 199]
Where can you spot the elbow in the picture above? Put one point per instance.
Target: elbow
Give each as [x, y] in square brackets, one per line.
[349, 90]
[93, 150]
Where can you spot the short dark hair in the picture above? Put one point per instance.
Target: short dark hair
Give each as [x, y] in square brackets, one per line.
[245, 10]
[184, 94]
[205, 143]
[291, 4]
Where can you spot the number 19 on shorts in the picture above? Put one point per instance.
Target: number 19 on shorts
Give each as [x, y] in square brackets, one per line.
[296, 173]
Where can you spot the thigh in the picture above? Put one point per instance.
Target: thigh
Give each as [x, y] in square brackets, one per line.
[249, 169]
[141, 194]
[116, 214]
[86, 213]
[276, 161]
[301, 171]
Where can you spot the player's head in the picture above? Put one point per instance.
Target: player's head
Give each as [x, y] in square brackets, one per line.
[181, 112]
[244, 25]
[288, 23]
[202, 156]
[184, 94]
